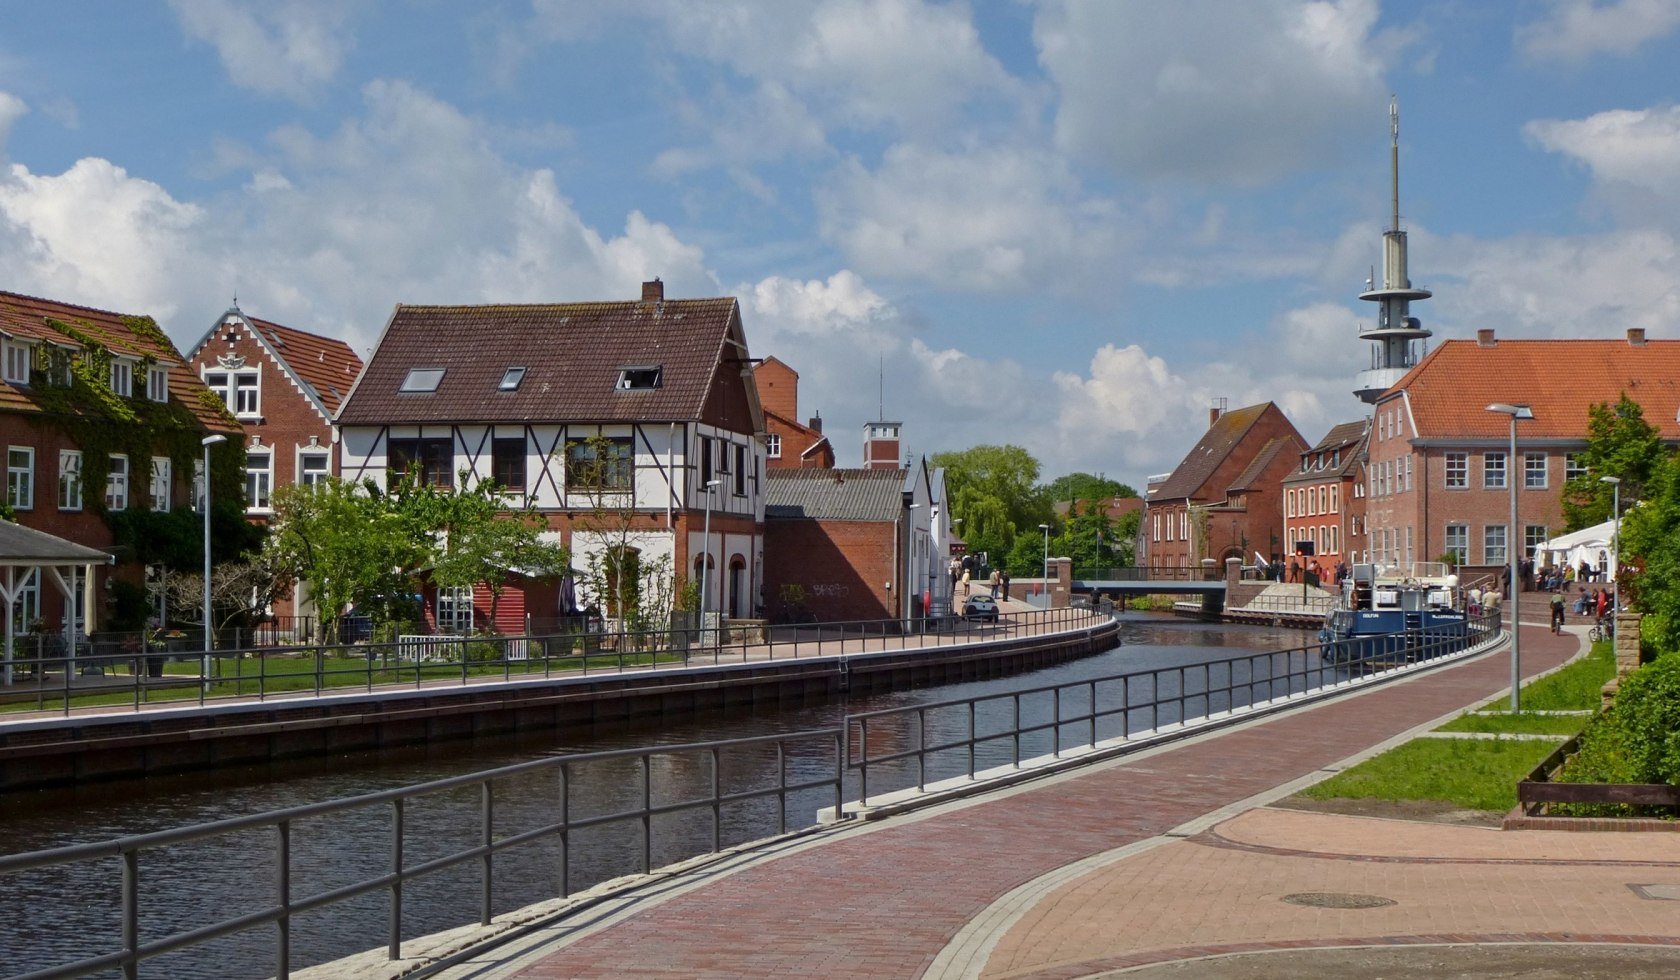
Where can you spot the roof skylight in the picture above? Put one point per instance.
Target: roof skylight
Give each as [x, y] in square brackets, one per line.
[510, 380]
[640, 378]
[422, 379]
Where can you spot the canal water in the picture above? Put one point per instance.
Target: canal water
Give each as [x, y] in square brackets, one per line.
[58, 916]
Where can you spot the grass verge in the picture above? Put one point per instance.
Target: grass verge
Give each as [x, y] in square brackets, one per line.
[1518, 724]
[1475, 775]
[1574, 687]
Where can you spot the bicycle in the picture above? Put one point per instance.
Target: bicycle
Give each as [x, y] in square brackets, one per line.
[1599, 631]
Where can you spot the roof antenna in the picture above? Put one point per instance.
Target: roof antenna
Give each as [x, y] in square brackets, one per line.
[881, 387]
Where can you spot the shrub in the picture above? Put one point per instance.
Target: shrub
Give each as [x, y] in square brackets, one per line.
[1647, 713]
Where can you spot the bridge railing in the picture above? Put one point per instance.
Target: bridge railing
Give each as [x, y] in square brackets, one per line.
[1150, 573]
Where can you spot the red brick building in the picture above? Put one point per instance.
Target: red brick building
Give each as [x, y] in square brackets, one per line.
[98, 416]
[284, 386]
[1439, 478]
[788, 443]
[1324, 499]
[1224, 499]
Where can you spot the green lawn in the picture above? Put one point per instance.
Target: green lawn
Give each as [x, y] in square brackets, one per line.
[1573, 688]
[1479, 774]
[1524, 723]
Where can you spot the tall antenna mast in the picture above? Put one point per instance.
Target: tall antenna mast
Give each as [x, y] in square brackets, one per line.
[1394, 157]
[881, 387]
[1398, 339]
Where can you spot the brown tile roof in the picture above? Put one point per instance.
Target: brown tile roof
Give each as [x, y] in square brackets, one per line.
[27, 318]
[572, 353]
[834, 495]
[1450, 389]
[1349, 437]
[1257, 466]
[1210, 450]
[327, 366]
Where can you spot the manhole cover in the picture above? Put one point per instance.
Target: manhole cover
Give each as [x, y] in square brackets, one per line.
[1337, 900]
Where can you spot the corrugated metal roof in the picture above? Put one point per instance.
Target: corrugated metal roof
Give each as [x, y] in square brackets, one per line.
[572, 354]
[834, 495]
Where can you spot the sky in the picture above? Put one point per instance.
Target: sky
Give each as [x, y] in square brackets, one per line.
[1072, 226]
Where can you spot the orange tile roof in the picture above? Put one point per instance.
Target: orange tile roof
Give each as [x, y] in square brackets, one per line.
[329, 366]
[27, 318]
[1449, 391]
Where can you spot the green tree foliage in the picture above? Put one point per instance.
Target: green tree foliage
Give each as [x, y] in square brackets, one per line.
[1620, 443]
[1088, 537]
[1647, 710]
[1085, 486]
[993, 489]
[1650, 555]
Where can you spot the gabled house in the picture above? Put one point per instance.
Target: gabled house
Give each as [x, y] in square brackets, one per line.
[1439, 479]
[1224, 499]
[1324, 499]
[98, 417]
[283, 386]
[788, 443]
[632, 427]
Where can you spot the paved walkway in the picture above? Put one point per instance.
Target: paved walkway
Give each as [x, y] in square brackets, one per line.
[1162, 858]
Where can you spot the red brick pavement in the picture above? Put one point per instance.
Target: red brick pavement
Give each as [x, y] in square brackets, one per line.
[884, 904]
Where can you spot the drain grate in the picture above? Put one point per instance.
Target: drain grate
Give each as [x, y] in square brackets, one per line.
[1337, 900]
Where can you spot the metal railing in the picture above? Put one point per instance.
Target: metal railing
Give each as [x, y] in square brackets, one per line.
[1316, 602]
[287, 899]
[1151, 573]
[137, 679]
[989, 730]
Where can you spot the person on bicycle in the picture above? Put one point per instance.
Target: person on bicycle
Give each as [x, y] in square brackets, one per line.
[1557, 612]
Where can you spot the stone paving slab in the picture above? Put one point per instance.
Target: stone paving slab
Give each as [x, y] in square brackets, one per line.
[891, 903]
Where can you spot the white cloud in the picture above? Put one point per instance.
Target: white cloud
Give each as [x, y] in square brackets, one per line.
[12, 109]
[403, 204]
[1634, 156]
[1575, 30]
[1208, 91]
[991, 219]
[286, 48]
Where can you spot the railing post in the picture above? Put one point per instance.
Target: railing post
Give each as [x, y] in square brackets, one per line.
[1056, 722]
[781, 781]
[393, 935]
[863, 762]
[131, 914]
[717, 806]
[283, 899]
[1015, 730]
[565, 831]
[647, 813]
[971, 739]
[486, 838]
[921, 750]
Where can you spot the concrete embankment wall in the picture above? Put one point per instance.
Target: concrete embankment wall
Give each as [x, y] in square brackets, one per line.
[84, 748]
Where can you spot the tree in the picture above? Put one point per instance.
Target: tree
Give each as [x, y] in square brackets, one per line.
[1620, 443]
[1649, 576]
[1084, 486]
[993, 491]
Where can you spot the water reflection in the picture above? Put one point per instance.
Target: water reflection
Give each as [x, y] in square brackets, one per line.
[54, 917]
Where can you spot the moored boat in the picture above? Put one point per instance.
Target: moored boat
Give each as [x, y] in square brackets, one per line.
[1395, 613]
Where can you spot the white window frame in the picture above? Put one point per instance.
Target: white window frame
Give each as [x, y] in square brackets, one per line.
[26, 608]
[69, 479]
[163, 475]
[259, 482]
[313, 477]
[1496, 477]
[116, 483]
[19, 358]
[122, 377]
[455, 610]
[1573, 466]
[20, 478]
[240, 390]
[157, 383]
[1457, 475]
[773, 446]
[1530, 471]
[1496, 554]
[1461, 547]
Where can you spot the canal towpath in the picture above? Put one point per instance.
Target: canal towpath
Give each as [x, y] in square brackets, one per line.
[1167, 860]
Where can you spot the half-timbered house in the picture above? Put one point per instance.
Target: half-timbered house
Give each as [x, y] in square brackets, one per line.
[633, 428]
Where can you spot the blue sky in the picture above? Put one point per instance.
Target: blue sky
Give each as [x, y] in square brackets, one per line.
[1068, 225]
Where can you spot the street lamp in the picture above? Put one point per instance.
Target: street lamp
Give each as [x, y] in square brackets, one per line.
[1046, 529]
[1515, 412]
[1615, 548]
[207, 442]
[706, 551]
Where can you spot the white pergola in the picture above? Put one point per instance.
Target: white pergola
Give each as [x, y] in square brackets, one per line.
[66, 564]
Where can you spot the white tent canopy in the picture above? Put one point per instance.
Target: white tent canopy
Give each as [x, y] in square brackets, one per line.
[1589, 544]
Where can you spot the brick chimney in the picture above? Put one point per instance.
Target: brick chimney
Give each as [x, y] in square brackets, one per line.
[653, 292]
[1215, 410]
[816, 422]
[1484, 338]
[1636, 336]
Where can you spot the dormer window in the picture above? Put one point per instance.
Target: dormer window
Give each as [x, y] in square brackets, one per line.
[122, 377]
[18, 359]
[157, 383]
[422, 380]
[511, 379]
[639, 378]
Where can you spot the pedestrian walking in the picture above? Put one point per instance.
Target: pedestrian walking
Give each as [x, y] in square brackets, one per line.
[1004, 579]
[996, 582]
[966, 579]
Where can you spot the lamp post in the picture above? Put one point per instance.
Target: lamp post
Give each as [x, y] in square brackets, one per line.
[706, 552]
[207, 442]
[1615, 549]
[1046, 529]
[1515, 412]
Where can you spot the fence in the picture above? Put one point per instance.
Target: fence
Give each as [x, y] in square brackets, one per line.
[1152, 573]
[137, 678]
[1090, 710]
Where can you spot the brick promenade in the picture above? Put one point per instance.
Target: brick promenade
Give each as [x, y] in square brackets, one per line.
[1097, 871]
